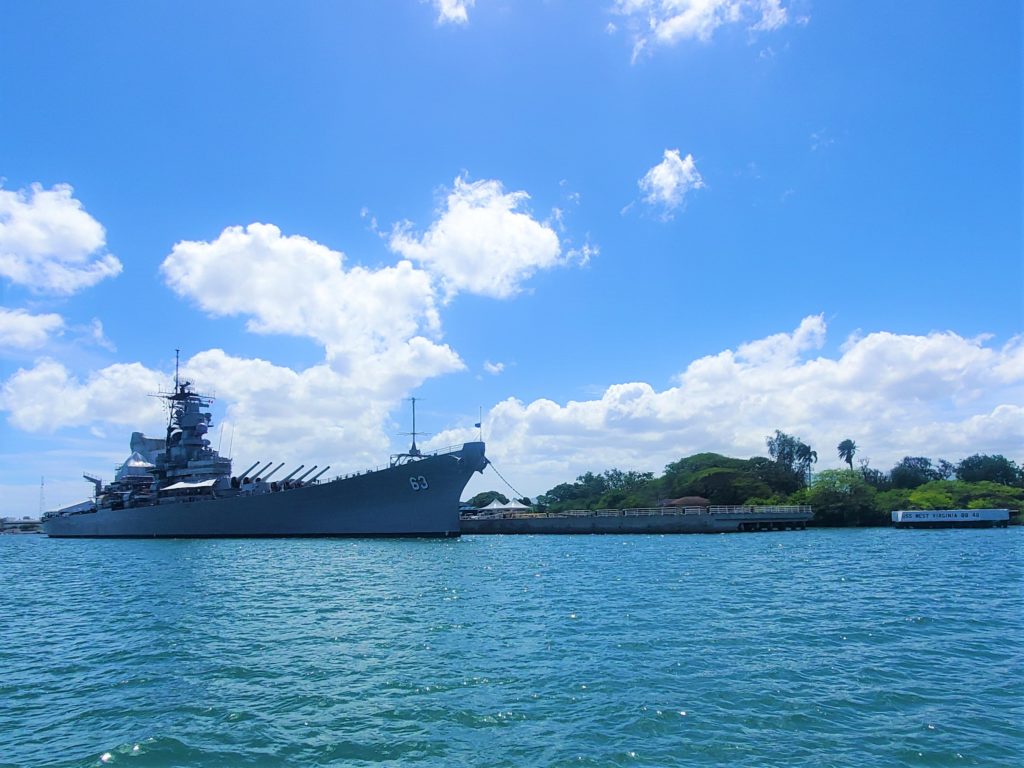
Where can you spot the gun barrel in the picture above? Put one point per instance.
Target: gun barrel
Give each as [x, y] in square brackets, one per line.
[273, 471]
[303, 477]
[313, 479]
[293, 472]
[262, 469]
[244, 474]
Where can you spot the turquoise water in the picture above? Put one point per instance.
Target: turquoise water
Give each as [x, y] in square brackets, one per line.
[813, 648]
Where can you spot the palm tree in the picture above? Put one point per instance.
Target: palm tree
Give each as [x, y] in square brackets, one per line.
[846, 450]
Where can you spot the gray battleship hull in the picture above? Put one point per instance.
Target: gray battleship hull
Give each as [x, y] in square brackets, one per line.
[418, 498]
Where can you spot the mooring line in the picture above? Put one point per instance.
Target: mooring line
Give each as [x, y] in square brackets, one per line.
[506, 482]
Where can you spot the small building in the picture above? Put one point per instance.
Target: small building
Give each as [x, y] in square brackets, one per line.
[685, 501]
[950, 518]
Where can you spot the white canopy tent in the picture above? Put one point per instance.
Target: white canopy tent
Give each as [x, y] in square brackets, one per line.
[512, 506]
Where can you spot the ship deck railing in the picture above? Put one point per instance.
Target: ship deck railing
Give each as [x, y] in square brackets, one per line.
[379, 468]
[799, 511]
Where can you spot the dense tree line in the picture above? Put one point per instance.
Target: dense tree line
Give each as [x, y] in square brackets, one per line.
[851, 496]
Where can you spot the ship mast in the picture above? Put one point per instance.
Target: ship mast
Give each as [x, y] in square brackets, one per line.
[413, 451]
[170, 407]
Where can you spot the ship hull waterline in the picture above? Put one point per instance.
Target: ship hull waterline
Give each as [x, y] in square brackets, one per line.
[414, 499]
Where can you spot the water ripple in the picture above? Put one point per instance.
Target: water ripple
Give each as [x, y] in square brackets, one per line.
[816, 648]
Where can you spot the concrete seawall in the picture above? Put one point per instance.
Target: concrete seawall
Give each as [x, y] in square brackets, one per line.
[626, 521]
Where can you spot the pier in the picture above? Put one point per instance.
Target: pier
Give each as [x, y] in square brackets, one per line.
[712, 519]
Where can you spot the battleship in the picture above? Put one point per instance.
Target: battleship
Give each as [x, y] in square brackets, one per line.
[179, 487]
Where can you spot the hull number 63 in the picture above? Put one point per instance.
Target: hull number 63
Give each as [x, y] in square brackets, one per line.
[418, 483]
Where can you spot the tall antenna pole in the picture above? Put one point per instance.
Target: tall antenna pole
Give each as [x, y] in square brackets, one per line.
[414, 451]
[42, 497]
[177, 352]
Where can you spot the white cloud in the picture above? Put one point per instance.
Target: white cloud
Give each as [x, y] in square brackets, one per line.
[316, 415]
[22, 330]
[493, 368]
[938, 395]
[98, 337]
[483, 242]
[453, 11]
[47, 397]
[773, 15]
[821, 140]
[667, 184]
[369, 321]
[666, 22]
[583, 254]
[49, 243]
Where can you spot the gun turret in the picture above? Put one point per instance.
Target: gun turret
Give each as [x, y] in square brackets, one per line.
[292, 473]
[262, 469]
[273, 471]
[303, 476]
[245, 474]
[314, 477]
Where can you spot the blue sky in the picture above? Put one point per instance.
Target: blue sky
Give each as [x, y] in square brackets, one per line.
[627, 231]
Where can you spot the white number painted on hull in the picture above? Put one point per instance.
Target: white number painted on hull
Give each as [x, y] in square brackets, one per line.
[418, 483]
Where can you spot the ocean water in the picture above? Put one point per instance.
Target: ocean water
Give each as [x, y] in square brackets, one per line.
[806, 648]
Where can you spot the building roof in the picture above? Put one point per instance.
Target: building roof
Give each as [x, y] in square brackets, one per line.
[686, 501]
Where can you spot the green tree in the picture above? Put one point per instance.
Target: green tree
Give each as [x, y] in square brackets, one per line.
[841, 497]
[720, 479]
[995, 469]
[793, 454]
[873, 477]
[617, 480]
[847, 449]
[912, 471]
[779, 479]
[893, 499]
[931, 496]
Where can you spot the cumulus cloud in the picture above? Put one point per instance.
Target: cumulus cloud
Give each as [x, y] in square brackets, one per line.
[23, 330]
[483, 242]
[272, 411]
[373, 324]
[49, 243]
[666, 185]
[48, 397]
[453, 11]
[367, 320]
[666, 22]
[938, 395]
[493, 368]
[311, 415]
